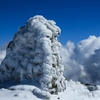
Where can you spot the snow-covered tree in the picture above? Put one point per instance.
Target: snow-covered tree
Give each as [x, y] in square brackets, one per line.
[34, 54]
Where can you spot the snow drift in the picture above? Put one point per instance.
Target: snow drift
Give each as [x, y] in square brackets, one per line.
[34, 53]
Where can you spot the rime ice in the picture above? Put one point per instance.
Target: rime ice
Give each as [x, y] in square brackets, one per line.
[34, 54]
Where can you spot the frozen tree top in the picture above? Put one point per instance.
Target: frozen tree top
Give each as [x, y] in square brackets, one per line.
[43, 26]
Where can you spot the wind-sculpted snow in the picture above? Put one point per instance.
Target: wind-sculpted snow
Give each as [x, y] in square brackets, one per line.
[34, 52]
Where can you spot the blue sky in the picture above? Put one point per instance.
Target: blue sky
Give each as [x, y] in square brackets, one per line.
[78, 19]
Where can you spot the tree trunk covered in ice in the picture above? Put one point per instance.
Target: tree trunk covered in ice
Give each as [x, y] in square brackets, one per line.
[34, 54]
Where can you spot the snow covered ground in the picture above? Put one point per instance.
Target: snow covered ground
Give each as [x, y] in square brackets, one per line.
[74, 91]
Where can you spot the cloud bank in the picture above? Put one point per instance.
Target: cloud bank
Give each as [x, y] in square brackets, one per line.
[82, 61]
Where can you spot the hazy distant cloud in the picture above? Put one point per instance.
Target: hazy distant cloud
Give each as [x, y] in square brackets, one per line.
[67, 51]
[2, 55]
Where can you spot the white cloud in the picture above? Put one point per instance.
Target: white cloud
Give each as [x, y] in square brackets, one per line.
[73, 70]
[82, 60]
[86, 48]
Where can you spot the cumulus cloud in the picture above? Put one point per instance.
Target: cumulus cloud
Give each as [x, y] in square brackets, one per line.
[86, 47]
[92, 67]
[73, 70]
[82, 60]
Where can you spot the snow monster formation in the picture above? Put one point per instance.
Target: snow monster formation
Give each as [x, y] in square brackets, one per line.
[34, 54]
